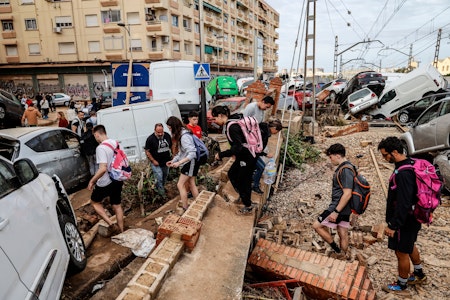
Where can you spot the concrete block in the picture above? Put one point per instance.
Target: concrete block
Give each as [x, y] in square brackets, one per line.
[168, 251]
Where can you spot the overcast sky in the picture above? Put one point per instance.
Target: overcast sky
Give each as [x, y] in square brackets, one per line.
[395, 24]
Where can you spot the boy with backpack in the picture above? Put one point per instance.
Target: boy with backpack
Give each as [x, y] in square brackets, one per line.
[402, 226]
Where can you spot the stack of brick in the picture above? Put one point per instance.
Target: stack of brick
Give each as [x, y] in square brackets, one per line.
[322, 277]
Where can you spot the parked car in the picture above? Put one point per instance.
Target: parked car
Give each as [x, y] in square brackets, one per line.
[431, 131]
[299, 95]
[370, 79]
[287, 102]
[335, 87]
[235, 104]
[61, 99]
[442, 163]
[11, 110]
[39, 234]
[54, 150]
[361, 100]
[294, 82]
[105, 99]
[410, 113]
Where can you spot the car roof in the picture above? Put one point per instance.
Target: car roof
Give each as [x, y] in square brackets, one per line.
[22, 131]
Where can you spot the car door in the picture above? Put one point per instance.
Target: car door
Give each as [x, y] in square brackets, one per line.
[417, 108]
[70, 155]
[424, 131]
[26, 238]
[443, 125]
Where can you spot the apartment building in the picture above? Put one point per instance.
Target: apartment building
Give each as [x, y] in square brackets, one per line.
[64, 45]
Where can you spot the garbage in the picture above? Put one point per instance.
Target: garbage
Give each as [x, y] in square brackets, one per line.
[140, 241]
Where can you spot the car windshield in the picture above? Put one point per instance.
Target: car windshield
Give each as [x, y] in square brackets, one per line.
[358, 95]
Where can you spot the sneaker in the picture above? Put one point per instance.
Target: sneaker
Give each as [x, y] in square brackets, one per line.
[257, 190]
[416, 278]
[246, 210]
[396, 288]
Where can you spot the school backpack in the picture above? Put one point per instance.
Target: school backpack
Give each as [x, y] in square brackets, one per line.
[252, 134]
[360, 192]
[429, 187]
[202, 151]
[119, 169]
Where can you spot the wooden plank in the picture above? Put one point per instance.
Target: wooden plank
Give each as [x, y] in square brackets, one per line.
[383, 184]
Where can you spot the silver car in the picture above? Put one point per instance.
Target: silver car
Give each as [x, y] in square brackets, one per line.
[38, 233]
[442, 161]
[431, 131]
[54, 150]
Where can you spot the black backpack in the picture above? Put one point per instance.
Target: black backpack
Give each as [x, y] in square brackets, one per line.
[360, 192]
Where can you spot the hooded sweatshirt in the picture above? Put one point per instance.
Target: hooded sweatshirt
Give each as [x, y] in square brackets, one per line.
[31, 114]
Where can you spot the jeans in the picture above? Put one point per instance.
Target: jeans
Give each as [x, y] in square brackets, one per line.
[161, 173]
[260, 165]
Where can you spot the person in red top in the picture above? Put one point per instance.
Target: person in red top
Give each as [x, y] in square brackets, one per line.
[62, 121]
[193, 124]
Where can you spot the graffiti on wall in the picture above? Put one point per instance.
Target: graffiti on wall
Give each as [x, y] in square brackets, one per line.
[18, 88]
[77, 91]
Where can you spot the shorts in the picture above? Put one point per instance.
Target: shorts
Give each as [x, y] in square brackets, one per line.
[403, 240]
[341, 220]
[112, 190]
[190, 168]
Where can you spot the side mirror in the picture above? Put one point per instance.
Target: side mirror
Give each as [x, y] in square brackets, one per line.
[25, 170]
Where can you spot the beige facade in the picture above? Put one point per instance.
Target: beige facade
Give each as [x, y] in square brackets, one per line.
[443, 65]
[54, 33]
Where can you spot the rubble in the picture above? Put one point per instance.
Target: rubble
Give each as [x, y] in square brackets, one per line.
[303, 195]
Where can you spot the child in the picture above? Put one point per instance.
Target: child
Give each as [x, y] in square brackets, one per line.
[193, 124]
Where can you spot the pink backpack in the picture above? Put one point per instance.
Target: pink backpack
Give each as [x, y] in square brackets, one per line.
[429, 187]
[119, 169]
[252, 134]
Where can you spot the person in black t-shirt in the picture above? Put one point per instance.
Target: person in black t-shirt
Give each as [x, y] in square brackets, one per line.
[158, 150]
[88, 146]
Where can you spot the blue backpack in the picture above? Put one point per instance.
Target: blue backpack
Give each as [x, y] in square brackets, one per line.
[202, 151]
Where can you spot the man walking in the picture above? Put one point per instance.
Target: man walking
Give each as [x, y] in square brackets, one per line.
[158, 150]
[337, 215]
[30, 116]
[402, 226]
[101, 184]
[256, 109]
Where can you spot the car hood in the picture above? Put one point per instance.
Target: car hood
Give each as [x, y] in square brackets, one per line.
[9, 146]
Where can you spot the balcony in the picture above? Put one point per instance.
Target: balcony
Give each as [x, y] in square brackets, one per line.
[159, 54]
[114, 56]
[108, 29]
[12, 59]
[174, 4]
[108, 3]
[9, 34]
[158, 4]
[158, 26]
[175, 30]
[5, 9]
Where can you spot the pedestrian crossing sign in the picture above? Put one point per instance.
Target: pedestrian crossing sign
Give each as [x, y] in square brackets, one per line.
[201, 72]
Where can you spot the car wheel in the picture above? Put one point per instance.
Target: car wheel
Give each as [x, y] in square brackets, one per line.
[74, 243]
[66, 103]
[403, 118]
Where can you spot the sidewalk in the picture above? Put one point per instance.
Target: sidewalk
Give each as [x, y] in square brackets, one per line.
[52, 118]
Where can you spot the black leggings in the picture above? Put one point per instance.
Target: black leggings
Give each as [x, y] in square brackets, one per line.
[240, 175]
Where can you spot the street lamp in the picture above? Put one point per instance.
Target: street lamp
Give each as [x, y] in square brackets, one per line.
[130, 64]
[218, 37]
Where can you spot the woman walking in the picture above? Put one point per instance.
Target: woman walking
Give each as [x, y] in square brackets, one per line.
[186, 158]
[241, 171]
[62, 121]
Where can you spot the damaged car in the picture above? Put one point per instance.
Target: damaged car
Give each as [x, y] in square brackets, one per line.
[54, 150]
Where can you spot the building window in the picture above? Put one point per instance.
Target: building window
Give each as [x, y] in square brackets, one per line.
[174, 21]
[233, 22]
[136, 45]
[30, 24]
[67, 48]
[225, 18]
[233, 39]
[4, 3]
[196, 28]
[64, 22]
[154, 45]
[94, 46]
[11, 50]
[225, 55]
[176, 46]
[133, 18]
[188, 48]
[113, 42]
[91, 20]
[34, 49]
[7, 25]
[150, 14]
[163, 18]
[109, 16]
[187, 24]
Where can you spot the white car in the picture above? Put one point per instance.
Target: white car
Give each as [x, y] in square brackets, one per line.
[38, 233]
[287, 102]
[294, 82]
[61, 99]
[361, 100]
[335, 87]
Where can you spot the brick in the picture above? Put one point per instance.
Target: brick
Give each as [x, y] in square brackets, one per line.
[293, 273]
[321, 282]
[299, 274]
[372, 295]
[367, 284]
[264, 263]
[307, 256]
[288, 271]
[327, 284]
[296, 253]
[303, 277]
[362, 295]
[353, 293]
[360, 276]
[315, 280]
[190, 222]
[292, 251]
[333, 270]
[190, 245]
[318, 259]
[334, 286]
[302, 254]
[283, 249]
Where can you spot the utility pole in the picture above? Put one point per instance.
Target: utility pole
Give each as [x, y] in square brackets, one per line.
[438, 45]
[335, 57]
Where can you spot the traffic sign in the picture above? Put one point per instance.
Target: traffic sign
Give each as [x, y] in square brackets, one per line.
[201, 72]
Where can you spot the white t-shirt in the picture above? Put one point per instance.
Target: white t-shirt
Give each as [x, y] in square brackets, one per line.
[104, 154]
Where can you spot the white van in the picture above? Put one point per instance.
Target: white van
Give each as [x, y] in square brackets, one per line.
[175, 79]
[407, 89]
[132, 124]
